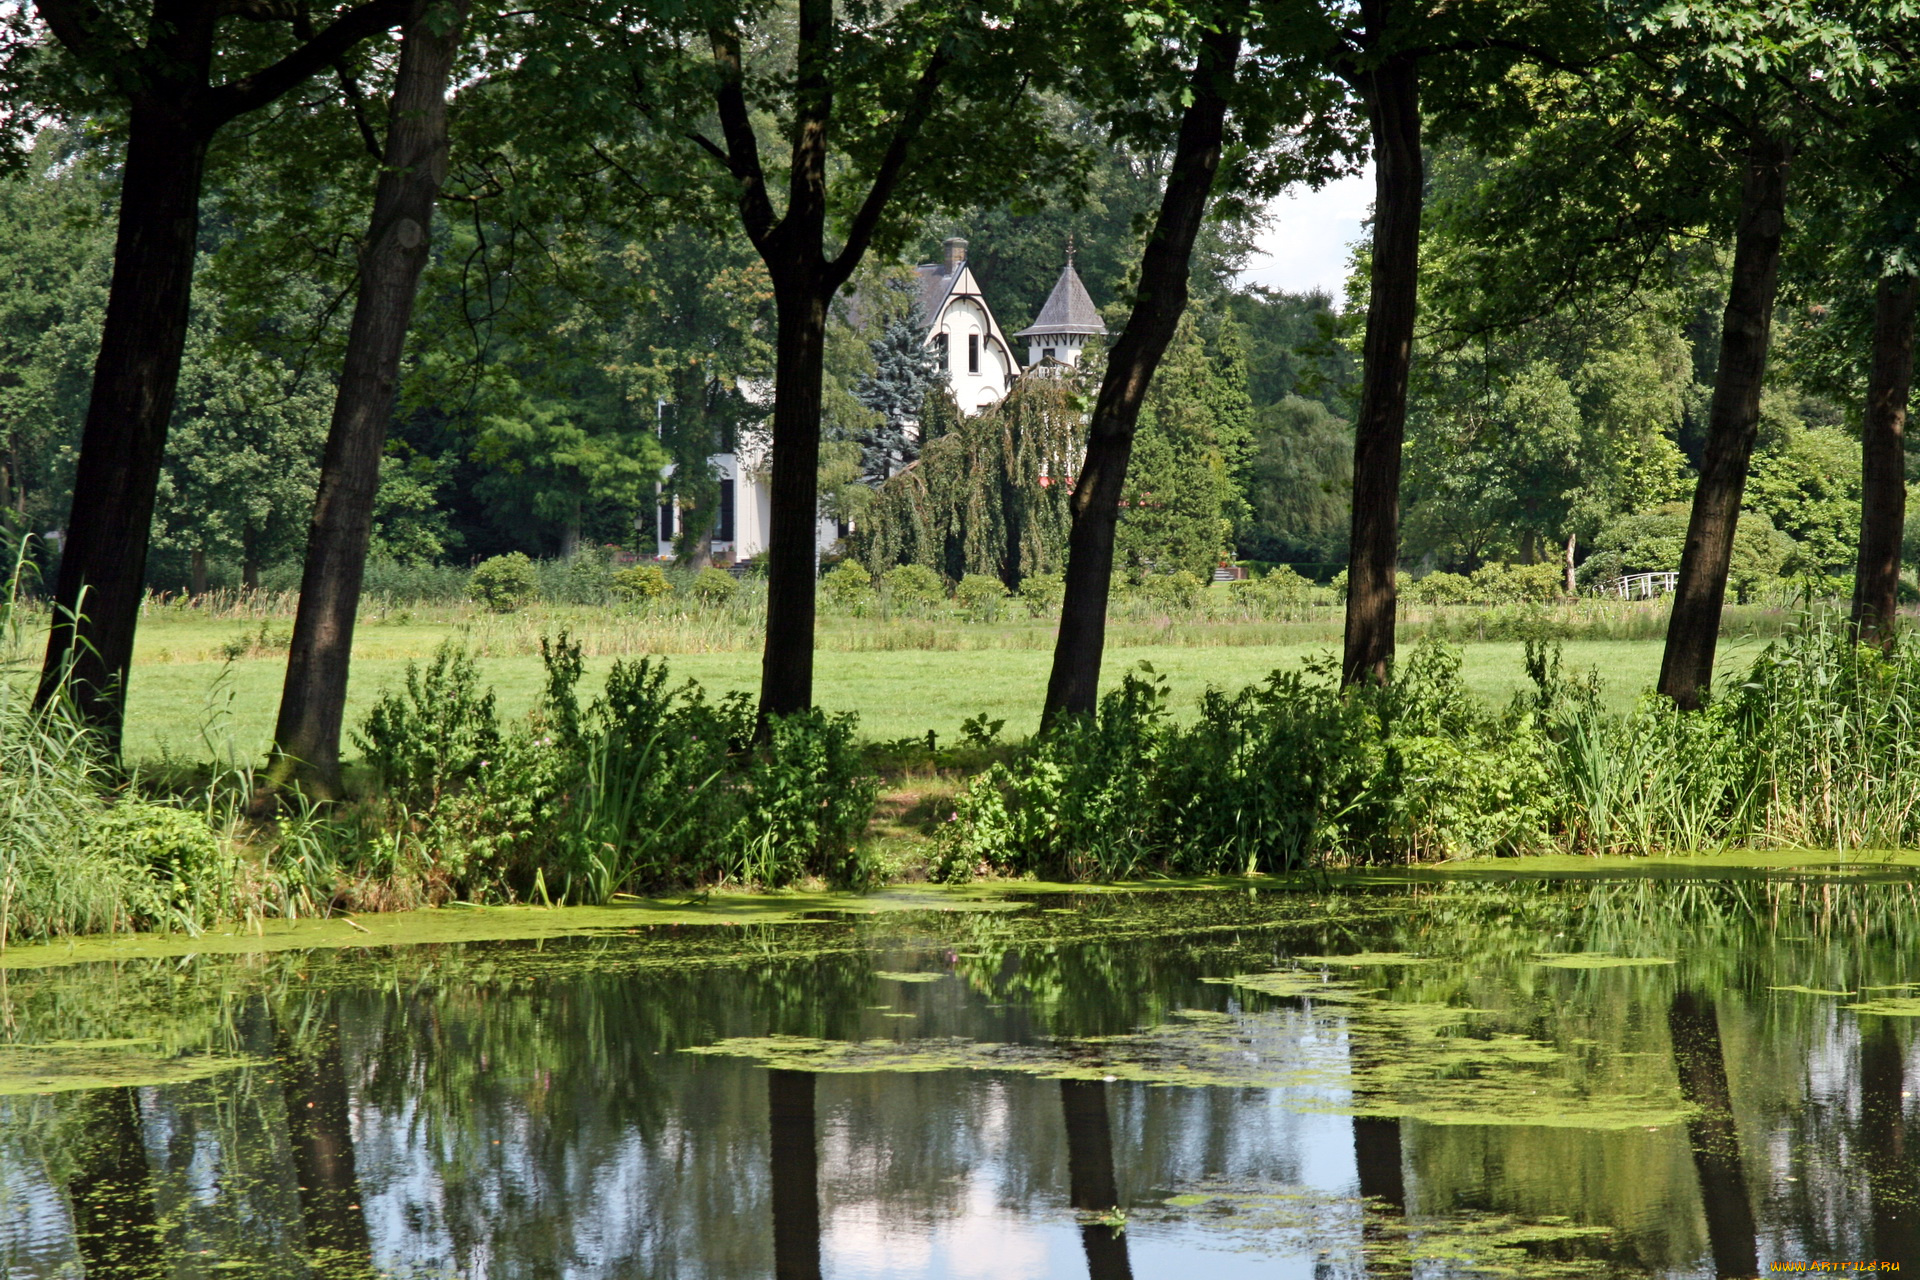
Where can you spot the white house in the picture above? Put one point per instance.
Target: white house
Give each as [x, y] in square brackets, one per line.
[980, 365]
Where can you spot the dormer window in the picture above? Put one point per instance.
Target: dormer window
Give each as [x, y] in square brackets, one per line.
[973, 353]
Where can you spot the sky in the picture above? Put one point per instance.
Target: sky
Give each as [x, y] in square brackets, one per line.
[1305, 247]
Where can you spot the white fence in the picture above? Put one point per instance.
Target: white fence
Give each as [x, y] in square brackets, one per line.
[1641, 586]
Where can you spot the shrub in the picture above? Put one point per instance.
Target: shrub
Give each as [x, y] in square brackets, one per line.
[847, 588]
[437, 732]
[912, 587]
[1179, 590]
[1043, 592]
[714, 587]
[585, 578]
[504, 583]
[979, 596]
[188, 876]
[640, 583]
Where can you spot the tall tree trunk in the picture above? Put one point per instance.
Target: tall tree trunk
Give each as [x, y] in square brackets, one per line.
[1091, 1186]
[1700, 1062]
[1893, 1173]
[1573, 585]
[115, 1219]
[249, 559]
[786, 662]
[570, 533]
[313, 701]
[1883, 459]
[320, 1132]
[197, 572]
[1073, 688]
[103, 563]
[1733, 423]
[1392, 93]
[795, 1147]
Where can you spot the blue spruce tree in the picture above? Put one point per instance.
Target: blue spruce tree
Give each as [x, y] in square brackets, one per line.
[906, 371]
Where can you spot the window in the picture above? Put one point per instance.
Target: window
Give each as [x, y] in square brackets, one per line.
[666, 521]
[723, 531]
[973, 353]
[940, 345]
[1046, 353]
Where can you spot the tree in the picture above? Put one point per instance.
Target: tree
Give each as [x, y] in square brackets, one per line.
[174, 105]
[313, 699]
[1298, 484]
[906, 372]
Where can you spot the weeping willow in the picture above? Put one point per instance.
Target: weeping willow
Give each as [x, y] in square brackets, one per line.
[989, 492]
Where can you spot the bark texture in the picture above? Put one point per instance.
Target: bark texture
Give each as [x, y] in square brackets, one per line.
[1733, 423]
[1701, 1064]
[313, 699]
[1073, 688]
[793, 246]
[1392, 93]
[173, 111]
[794, 1139]
[1883, 458]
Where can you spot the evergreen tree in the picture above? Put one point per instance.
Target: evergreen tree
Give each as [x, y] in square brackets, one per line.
[905, 372]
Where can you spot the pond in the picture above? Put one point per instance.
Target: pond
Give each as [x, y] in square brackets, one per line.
[1611, 1074]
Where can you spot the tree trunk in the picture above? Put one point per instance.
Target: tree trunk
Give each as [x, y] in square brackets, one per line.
[197, 572]
[1573, 585]
[1883, 458]
[1073, 688]
[314, 699]
[103, 563]
[795, 1149]
[786, 663]
[1392, 93]
[1733, 422]
[1700, 1062]
[320, 1133]
[1091, 1186]
[116, 1222]
[570, 533]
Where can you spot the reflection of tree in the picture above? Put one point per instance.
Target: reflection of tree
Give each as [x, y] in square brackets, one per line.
[1702, 1067]
[319, 1130]
[114, 1221]
[795, 1148]
[1091, 1187]
[1892, 1185]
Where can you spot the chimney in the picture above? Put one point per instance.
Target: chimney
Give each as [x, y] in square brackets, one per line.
[956, 253]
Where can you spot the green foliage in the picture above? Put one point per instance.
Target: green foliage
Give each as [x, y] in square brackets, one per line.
[847, 588]
[640, 583]
[504, 583]
[979, 596]
[714, 587]
[1298, 482]
[1177, 590]
[1043, 592]
[1652, 542]
[435, 733]
[1493, 583]
[912, 587]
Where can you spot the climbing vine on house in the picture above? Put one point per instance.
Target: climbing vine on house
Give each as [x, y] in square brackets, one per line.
[989, 492]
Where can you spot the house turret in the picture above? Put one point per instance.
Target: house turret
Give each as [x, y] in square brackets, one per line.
[1067, 322]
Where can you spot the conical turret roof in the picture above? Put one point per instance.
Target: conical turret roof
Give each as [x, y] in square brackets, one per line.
[1069, 308]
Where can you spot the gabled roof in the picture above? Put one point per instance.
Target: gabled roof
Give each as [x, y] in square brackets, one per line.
[1069, 308]
[941, 285]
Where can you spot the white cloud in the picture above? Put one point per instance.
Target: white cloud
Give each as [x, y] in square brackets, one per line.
[1308, 243]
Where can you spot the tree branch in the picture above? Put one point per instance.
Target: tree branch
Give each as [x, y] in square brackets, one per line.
[263, 86]
[742, 156]
[95, 40]
[887, 177]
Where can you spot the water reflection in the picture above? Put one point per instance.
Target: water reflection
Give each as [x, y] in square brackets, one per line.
[1574, 1079]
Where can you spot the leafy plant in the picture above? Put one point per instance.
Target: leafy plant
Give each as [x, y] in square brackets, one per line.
[912, 587]
[503, 583]
[714, 587]
[847, 588]
[640, 583]
[435, 733]
[979, 596]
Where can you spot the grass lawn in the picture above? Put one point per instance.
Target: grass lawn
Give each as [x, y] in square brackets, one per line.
[186, 705]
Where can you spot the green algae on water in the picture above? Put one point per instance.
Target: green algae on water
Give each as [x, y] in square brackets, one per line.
[1811, 991]
[1368, 960]
[886, 976]
[1595, 960]
[1888, 1007]
[56, 1067]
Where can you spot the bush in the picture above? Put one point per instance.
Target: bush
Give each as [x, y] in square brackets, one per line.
[586, 578]
[912, 587]
[1179, 590]
[714, 587]
[1043, 592]
[438, 732]
[979, 596]
[188, 875]
[504, 583]
[847, 588]
[641, 583]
